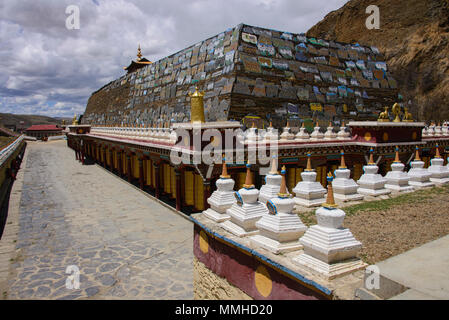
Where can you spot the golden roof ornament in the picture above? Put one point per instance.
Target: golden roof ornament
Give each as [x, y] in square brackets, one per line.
[408, 117]
[196, 106]
[396, 109]
[139, 53]
[383, 116]
[74, 121]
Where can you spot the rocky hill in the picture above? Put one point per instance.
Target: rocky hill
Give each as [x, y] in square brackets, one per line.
[23, 121]
[414, 38]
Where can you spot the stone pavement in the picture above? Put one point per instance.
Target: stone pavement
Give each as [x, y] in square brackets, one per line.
[126, 245]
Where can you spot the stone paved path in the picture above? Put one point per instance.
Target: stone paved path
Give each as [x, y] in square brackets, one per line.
[126, 245]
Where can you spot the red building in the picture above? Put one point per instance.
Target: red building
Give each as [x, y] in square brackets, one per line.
[43, 131]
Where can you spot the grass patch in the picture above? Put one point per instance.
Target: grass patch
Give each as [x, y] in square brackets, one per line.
[401, 200]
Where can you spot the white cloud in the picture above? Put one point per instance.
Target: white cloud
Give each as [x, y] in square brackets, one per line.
[47, 69]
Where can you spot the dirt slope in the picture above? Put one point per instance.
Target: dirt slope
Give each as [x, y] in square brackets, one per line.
[414, 38]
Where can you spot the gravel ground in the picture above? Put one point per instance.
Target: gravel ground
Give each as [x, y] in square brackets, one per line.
[389, 227]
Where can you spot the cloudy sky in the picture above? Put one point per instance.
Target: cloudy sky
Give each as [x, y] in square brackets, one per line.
[49, 70]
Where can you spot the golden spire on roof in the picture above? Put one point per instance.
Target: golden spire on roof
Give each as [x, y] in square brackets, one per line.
[196, 106]
[139, 53]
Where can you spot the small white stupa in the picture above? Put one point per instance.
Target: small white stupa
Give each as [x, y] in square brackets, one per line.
[419, 177]
[329, 249]
[286, 135]
[272, 183]
[397, 179]
[246, 211]
[302, 135]
[221, 199]
[251, 135]
[439, 174]
[279, 231]
[316, 135]
[372, 183]
[345, 188]
[438, 130]
[272, 134]
[330, 134]
[343, 134]
[309, 192]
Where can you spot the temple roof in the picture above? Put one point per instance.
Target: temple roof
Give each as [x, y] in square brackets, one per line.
[44, 127]
[139, 63]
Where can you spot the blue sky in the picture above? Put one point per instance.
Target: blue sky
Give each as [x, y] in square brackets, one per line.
[49, 70]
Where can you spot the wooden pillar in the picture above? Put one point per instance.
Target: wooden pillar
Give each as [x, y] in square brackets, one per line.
[157, 179]
[111, 160]
[141, 173]
[178, 189]
[119, 162]
[128, 169]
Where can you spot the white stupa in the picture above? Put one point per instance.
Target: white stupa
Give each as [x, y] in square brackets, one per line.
[221, 199]
[272, 134]
[372, 183]
[330, 134]
[279, 231]
[286, 135]
[343, 134]
[419, 177]
[302, 135]
[345, 188]
[316, 135]
[439, 174]
[246, 211]
[329, 249]
[309, 192]
[397, 179]
[272, 183]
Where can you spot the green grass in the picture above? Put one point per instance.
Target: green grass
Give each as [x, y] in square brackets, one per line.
[403, 199]
[308, 218]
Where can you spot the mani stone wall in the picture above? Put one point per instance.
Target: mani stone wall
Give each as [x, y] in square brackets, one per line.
[251, 71]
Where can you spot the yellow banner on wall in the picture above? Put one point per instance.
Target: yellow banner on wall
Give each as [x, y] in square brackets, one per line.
[316, 107]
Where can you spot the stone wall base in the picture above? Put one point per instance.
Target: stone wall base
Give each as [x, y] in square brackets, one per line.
[209, 286]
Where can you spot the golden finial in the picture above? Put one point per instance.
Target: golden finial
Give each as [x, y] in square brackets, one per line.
[253, 126]
[396, 158]
[274, 169]
[343, 123]
[271, 124]
[224, 170]
[342, 160]
[417, 158]
[283, 190]
[371, 157]
[437, 151]
[309, 163]
[196, 106]
[139, 53]
[383, 116]
[288, 124]
[396, 111]
[303, 125]
[248, 180]
[330, 201]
